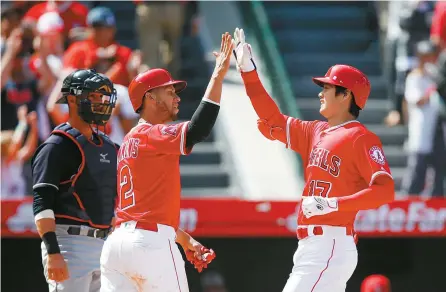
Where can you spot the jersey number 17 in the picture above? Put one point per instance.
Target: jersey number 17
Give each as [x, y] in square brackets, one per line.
[319, 188]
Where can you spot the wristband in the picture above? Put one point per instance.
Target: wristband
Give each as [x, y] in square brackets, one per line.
[50, 241]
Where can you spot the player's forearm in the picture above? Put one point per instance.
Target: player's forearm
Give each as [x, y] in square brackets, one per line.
[45, 219]
[262, 102]
[214, 89]
[183, 238]
[202, 122]
[378, 194]
[46, 228]
[206, 113]
[45, 225]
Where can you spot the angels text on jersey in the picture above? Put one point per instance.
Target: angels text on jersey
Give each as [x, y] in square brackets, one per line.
[129, 149]
[322, 158]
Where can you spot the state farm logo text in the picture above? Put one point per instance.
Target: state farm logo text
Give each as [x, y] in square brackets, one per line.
[416, 216]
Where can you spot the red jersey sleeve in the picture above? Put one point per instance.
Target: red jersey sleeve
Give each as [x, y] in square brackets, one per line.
[74, 56]
[369, 157]
[300, 133]
[168, 139]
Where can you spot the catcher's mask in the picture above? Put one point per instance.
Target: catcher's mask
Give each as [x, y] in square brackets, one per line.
[96, 96]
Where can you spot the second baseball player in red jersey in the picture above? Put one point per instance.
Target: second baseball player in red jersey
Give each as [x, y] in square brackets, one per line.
[141, 254]
[345, 170]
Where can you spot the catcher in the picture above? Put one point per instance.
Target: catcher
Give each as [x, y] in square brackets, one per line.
[141, 254]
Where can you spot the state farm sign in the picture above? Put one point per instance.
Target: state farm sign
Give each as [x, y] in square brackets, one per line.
[403, 218]
[239, 218]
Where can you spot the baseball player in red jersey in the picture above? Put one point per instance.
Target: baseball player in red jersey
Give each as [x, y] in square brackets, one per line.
[141, 254]
[345, 170]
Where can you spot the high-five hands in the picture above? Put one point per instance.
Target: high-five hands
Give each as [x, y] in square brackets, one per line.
[243, 52]
[223, 57]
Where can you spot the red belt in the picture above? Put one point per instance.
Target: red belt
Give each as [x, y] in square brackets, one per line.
[317, 230]
[144, 225]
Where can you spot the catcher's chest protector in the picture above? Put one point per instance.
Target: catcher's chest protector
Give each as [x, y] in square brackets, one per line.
[90, 194]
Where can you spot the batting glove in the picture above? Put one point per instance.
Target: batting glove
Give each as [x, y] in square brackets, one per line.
[316, 206]
[243, 52]
[206, 257]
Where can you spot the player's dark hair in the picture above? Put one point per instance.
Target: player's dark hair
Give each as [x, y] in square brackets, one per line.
[354, 108]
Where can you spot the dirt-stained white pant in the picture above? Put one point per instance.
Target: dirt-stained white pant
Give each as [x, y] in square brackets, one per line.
[323, 262]
[136, 260]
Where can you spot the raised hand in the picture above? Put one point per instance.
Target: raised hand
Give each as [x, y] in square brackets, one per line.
[243, 52]
[223, 57]
[14, 42]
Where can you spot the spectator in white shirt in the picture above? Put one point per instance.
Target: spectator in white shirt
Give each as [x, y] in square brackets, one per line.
[408, 23]
[16, 148]
[422, 144]
[123, 118]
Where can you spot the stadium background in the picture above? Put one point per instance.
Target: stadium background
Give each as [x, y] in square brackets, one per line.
[249, 221]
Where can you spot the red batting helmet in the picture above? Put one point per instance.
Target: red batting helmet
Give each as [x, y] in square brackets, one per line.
[375, 283]
[149, 80]
[348, 77]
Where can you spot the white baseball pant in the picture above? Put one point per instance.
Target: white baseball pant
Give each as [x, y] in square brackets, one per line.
[323, 262]
[140, 260]
[82, 254]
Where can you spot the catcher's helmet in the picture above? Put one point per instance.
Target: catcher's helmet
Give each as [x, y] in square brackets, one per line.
[348, 77]
[81, 83]
[149, 80]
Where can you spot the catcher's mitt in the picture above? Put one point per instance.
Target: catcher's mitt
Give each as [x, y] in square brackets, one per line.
[207, 255]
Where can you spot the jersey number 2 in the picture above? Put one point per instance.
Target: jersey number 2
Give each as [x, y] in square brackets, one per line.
[126, 194]
[319, 188]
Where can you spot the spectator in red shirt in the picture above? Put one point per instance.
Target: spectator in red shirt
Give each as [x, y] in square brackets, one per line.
[46, 62]
[74, 14]
[438, 28]
[100, 51]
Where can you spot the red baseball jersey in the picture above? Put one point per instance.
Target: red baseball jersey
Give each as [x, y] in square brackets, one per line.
[86, 54]
[338, 161]
[149, 187]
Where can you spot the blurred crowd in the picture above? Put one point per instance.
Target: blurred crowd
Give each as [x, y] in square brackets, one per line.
[43, 41]
[415, 66]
